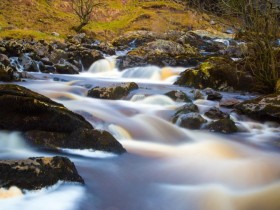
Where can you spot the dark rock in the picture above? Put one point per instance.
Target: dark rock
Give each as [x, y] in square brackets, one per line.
[219, 73]
[13, 48]
[191, 121]
[262, 108]
[185, 109]
[4, 59]
[79, 138]
[47, 123]
[86, 56]
[215, 114]
[223, 126]
[64, 67]
[160, 53]
[103, 47]
[114, 93]
[199, 42]
[28, 64]
[6, 73]
[212, 95]
[178, 96]
[36, 173]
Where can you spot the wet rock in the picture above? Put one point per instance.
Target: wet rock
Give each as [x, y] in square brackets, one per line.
[197, 94]
[185, 109]
[216, 114]
[86, 56]
[178, 96]
[229, 103]
[262, 108]
[223, 126]
[79, 138]
[32, 113]
[28, 64]
[135, 39]
[36, 173]
[212, 95]
[191, 120]
[6, 73]
[219, 73]
[64, 67]
[113, 93]
[160, 53]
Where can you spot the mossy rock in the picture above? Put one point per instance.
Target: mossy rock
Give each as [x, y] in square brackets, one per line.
[36, 173]
[161, 53]
[47, 124]
[113, 93]
[220, 73]
[262, 108]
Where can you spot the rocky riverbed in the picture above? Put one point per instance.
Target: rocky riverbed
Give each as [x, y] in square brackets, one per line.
[146, 93]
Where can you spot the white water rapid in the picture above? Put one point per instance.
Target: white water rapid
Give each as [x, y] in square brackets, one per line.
[166, 167]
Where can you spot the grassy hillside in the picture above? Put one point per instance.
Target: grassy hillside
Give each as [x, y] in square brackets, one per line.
[38, 18]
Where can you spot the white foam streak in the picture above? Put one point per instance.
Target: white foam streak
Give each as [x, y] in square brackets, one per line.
[55, 198]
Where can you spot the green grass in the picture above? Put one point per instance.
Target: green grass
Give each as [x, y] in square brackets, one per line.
[39, 18]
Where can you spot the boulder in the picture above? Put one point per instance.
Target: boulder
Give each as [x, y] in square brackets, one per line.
[40, 118]
[223, 125]
[160, 53]
[6, 73]
[65, 67]
[113, 93]
[135, 39]
[36, 173]
[262, 108]
[178, 96]
[219, 73]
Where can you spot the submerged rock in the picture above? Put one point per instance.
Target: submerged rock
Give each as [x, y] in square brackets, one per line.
[32, 113]
[191, 120]
[36, 173]
[113, 93]
[160, 53]
[219, 73]
[215, 114]
[262, 108]
[223, 126]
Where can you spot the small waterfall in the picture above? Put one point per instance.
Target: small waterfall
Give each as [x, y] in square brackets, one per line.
[103, 65]
[148, 72]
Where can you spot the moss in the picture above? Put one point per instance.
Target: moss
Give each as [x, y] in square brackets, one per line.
[204, 67]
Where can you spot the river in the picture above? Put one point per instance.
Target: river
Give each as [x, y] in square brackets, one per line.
[166, 167]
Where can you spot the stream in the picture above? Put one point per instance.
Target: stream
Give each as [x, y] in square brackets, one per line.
[166, 167]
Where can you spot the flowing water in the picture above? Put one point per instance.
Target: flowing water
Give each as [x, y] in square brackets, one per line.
[166, 167]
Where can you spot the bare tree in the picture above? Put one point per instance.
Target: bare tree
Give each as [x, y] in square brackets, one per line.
[83, 9]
